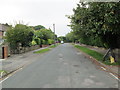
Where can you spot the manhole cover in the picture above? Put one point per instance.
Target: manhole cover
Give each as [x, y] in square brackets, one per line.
[76, 65]
[77, 72]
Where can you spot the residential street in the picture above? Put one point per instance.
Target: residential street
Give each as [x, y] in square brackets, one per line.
[62, 67]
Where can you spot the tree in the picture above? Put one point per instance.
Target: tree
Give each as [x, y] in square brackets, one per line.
[103, 22]
[38, 27]
[62, 38]
[19, 36]
[97, 23]
[45, 35]
[71, 37]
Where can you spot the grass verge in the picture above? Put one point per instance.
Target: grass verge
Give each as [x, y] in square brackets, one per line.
[53, 46]
[98, 56]
[46, 49]
[43, 50]
[2, 71]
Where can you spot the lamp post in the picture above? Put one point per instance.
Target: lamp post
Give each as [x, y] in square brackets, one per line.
[54, 33]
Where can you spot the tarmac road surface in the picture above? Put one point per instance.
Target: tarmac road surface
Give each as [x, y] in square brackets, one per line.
[62, 67]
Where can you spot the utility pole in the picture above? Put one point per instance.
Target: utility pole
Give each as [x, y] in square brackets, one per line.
[54, 33]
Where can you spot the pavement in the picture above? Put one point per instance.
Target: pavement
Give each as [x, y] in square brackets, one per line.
[18, 61]
[62, 67]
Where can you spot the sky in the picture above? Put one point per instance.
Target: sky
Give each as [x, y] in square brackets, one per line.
[39, 12]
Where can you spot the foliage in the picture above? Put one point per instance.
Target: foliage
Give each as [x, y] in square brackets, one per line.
[62, 38]
[99, 23]
[46, 36]
[50, 41]
[71, 37]
[34, 42]
[20, 35]
[37, 40]
[38, 27]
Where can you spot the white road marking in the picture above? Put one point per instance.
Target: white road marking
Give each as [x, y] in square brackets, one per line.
[4, 79]
[21, 68]
[114, 76]
[9, 76]
[103, 68]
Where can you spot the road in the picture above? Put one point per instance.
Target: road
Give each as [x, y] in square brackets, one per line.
[62, 67]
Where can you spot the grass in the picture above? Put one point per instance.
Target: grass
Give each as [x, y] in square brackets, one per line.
[98, 56]
[43, 50]
[2, 71]
[53, 46]
[92, 53]
[46, 49]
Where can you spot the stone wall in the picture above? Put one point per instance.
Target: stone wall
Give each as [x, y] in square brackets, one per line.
[26, 49]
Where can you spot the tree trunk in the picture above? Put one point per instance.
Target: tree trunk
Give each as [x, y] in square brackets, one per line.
[108, 54]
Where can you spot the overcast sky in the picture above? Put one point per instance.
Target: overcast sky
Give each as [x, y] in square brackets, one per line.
[38, 12]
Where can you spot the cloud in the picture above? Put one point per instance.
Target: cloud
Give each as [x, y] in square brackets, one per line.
[35, 12]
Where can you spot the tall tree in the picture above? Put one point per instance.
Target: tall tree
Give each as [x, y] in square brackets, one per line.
[38, 27]
[99, 22]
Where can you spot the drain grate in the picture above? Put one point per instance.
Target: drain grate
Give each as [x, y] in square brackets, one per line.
[76, 65]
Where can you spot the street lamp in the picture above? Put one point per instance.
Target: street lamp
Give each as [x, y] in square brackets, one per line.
[54, 33]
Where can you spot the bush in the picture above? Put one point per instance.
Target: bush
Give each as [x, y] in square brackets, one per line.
[50, 41]
[33, 42]
[38, 41]
[19, 36]
[43, 42]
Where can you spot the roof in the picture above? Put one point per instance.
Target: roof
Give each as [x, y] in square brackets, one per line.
[3, 27]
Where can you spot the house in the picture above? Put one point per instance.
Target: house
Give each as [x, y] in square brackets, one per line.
[3, 49]
[3, 29]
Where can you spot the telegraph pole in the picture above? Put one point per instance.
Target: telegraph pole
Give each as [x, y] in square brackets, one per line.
[54, 33]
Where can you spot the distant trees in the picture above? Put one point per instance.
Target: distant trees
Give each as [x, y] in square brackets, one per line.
[46, 36]
[71, 37]
[61, 38]
[97, 23]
